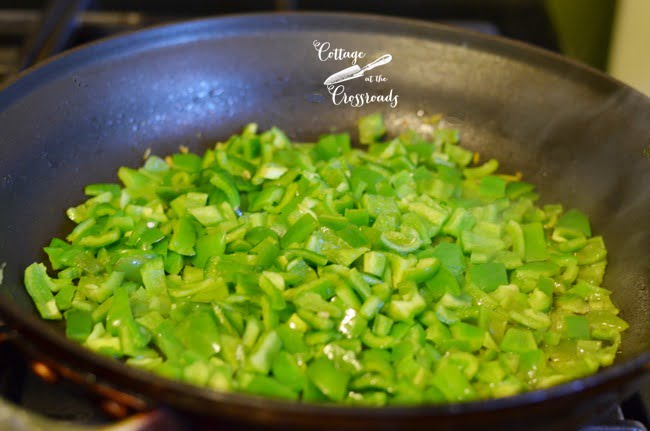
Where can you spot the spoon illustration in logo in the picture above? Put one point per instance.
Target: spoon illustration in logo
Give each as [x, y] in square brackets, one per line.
[355, 71]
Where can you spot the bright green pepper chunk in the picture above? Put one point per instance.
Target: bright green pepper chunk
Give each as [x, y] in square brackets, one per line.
[331, 382]
[269, 387]
[576, 221]
[471, 336]
[492, 187]
[262, 357]
[40, 287]
[330, 146]
[518, 341]
[371, 128]
[184, 237]
[488, 276]
[78, 324]
[299, 231]
[287, 371]
[120, 322]
[359, 217]
[453, 383]
[225, 182]
[576, 327]
[535, 242]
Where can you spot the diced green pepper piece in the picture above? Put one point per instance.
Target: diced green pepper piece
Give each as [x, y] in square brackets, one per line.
[486, 169]
[371, 128]
[576, 221]
[359, 217]
[120, 322]
[487, 276]
[535, 242]
[208, 246]
[371, 307]
[40, 287]
[269, 387]
[401, 242]
[451, 381]
[471, 336]
[153, 276]
[262, 357]
[331, 382]
[518, 341]
[78, 324]
[576, 327]
[492, 187]
[330, 146]
[299, 231]
[206, 215]
[200, 334]
[450, 256]
[100, 293]
[593, 252]
[63, 298]
[184, 237]
[286, 370]
[225, 182]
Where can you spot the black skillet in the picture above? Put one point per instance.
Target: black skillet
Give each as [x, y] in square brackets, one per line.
[581, 136]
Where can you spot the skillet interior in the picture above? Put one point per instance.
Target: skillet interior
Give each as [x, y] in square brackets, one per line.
[578, 135]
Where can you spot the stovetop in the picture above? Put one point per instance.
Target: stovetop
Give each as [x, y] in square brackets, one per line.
[33, 30]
